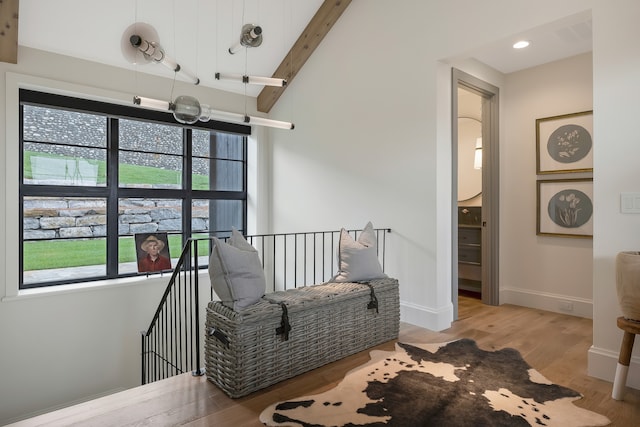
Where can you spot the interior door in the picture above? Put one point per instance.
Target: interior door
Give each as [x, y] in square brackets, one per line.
[490, 186]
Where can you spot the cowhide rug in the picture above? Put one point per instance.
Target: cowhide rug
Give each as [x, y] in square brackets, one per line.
[448, 384]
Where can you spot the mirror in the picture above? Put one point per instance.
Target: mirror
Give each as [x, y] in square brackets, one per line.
[469, 178]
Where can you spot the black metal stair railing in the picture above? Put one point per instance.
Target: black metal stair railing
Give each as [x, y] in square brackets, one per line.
[171, 345]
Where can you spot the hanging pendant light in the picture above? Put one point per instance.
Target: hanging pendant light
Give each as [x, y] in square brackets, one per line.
[188, 110]
[185, 109]
[154, 104]
[250, 36]
[256, 80]
[140, 44]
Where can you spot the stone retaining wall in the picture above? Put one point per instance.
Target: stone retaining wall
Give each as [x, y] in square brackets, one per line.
[62, 217]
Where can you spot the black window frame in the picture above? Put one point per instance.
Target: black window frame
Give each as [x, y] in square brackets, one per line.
[112, 192]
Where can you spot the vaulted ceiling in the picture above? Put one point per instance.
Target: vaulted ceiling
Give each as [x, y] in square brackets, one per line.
[198, 33]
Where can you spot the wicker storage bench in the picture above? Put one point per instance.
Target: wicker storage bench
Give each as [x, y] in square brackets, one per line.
[290, 332]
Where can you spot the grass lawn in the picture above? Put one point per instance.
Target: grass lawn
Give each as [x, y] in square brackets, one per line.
[42, 255]
[129, 174]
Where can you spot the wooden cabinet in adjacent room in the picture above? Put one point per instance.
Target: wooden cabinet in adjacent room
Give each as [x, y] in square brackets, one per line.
[470, 248]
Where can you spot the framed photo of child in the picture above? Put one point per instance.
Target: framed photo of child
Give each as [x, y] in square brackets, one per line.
[152, 250]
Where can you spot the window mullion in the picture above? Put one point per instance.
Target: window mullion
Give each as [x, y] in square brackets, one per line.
[21, 200]
[245, 179]
[187, 179]
[113, 233]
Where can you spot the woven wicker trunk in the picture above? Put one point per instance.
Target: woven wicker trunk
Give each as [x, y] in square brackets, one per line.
[252, 349]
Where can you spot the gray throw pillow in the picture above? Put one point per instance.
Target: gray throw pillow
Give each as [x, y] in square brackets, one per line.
[358, 260]
[236, 272]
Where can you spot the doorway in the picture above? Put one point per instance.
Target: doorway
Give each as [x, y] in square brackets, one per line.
[469, 193]
[475, 188]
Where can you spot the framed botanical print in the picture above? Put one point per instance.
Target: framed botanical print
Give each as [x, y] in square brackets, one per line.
[565, 207]
[565, 143]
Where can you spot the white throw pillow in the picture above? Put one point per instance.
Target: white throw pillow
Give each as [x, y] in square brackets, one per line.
[358, 260]
[236, 272]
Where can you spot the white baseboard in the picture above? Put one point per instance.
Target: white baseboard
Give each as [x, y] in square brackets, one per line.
[603, 362]
[426, 317]
[556, 303]
[63, 405]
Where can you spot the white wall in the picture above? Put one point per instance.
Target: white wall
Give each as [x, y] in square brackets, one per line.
[616, 67]
[60, 347]
[373, 140]
[540, 271]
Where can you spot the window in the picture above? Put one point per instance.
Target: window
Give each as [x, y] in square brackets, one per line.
[93, 175]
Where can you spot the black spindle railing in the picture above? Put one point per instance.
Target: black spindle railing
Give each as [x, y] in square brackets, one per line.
[171, 345]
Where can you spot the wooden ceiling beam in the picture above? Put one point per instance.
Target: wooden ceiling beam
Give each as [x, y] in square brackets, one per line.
[318, 27]
[9, 31]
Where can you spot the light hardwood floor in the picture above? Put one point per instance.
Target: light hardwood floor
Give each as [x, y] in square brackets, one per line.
[554, 344]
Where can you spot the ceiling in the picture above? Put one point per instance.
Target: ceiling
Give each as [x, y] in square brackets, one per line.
[197, 34]
[556, 40]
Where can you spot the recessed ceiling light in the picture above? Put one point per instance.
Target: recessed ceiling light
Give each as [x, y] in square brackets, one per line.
[521, 44]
